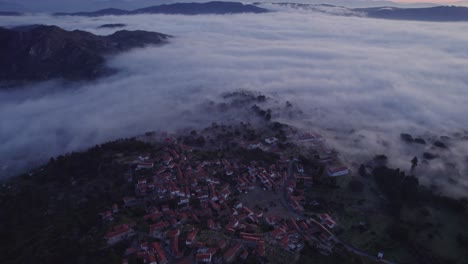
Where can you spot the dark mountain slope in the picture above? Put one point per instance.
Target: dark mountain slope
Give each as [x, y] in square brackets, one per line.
[436, 14]
[8, 13]
[34, 53]
[215, 7]
[102, 12]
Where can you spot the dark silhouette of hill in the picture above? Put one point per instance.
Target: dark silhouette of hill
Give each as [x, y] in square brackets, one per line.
[112, 26]
[9, 13]
[436, 14]
[214, 7]
[37, 52]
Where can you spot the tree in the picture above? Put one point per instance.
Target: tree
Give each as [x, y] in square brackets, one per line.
[362, 170]
[414, 163]
[398, 233]
[356, 186]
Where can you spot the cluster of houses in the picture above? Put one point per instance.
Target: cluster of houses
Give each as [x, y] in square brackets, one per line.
[149, 253]
[185, 196]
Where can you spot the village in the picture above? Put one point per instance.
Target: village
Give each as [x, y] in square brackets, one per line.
[193, 209]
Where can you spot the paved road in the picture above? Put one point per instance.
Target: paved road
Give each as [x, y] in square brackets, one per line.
[284, 198]
[362, 253]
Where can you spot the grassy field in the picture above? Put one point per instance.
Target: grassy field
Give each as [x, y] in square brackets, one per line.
[364, 223]
[436, 230]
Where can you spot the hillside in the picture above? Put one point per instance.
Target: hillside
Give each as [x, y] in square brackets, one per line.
[36, 53]
[438, 13]
[215, 7]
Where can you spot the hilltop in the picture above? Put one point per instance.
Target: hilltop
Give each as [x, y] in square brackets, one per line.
[259, 193]
[214, 7]
[38, 52]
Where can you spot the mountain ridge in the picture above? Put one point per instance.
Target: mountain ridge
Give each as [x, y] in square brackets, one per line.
[38, 52]
[435, 14]
[213, 7]
[431, 14]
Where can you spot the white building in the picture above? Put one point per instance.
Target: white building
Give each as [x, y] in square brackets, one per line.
[337, 171]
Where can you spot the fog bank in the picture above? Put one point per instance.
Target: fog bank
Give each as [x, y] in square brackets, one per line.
[361, 82]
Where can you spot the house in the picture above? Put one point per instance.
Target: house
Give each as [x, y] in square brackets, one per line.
[231, 254]
[107, 216]
[205, 255]
[250, 238]
[272, 220]
[183, 201]
[296, 206]
[144, 165]
[167, 159]
[327, 221]
[115, 208]
[119, 233]
[315, 137]
[299, 168]
[271, 140]
[148, 257]
[153, 216]
[155, 230]
[210, 223]
[160, 255]
[130, 251]
[144, 246]
[203, 258]
[173, 233]
[222, 244]
[255, 145]
[260, 249]
[215, 206]
[278, 232]
[335, 171]
[174, 246]
[244, 254]
[191, 236]
[284, 242]
[326, 243]
[129, 201]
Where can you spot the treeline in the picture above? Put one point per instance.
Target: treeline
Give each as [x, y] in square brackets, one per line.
[401, 189]
[51, 215]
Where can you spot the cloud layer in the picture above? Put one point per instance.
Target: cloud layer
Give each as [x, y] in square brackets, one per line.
[360, 81]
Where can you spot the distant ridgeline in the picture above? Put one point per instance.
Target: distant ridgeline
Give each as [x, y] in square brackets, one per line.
[215, 7]
[435, 14]
[7, 13]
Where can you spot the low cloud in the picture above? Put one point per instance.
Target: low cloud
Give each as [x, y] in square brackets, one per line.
[359, 81]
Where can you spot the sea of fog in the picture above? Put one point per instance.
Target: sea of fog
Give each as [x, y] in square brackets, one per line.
[360, 82]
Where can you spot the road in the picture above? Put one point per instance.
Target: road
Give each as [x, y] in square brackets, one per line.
[284, 199]
[362, 253]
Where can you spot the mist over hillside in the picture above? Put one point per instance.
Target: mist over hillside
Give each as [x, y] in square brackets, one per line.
[360, 84]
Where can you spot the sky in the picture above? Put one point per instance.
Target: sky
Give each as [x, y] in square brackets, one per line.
[358, 81]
